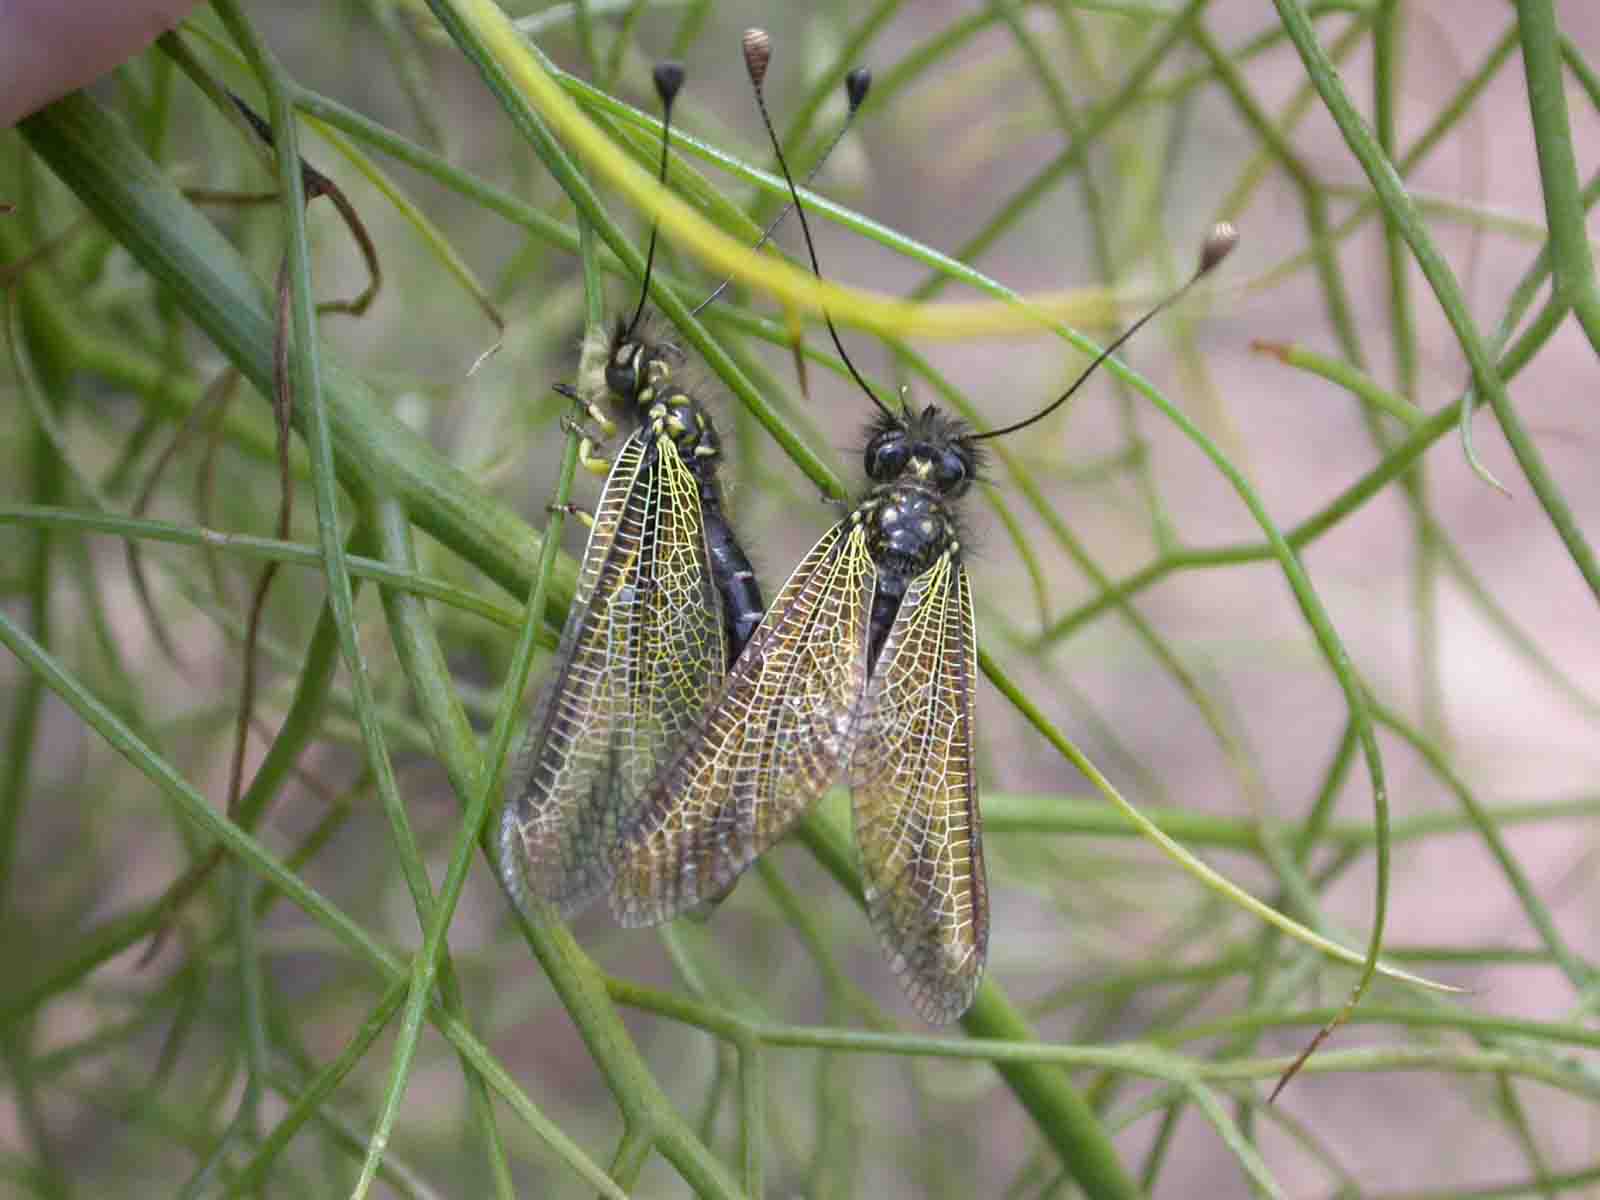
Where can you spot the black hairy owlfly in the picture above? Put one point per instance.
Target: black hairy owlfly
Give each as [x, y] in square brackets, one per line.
[666, 600]
[862, 672]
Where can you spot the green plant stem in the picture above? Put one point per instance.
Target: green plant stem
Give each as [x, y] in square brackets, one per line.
[529, 123]
[1352, 498]
[1350, 377]
[305, 383]
[308, 1099]
[1207, 957]
[1578, 972]
[1155, 1060]
[140, 207]
[1064, 1119]
[851, 48]
[16, 775]
[644, 1106]
[1386, 87]
[197, 812]
[305, 378]
[1399, 208]
[268, 550]
[1558, 169]
[1094, 123]
[629, 1160]
[50, 1176]
[252, 1000]
[48, 481]
[423, 660]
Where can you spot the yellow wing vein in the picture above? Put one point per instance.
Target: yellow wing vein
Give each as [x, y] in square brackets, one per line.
[915, 797]
[641, 649]
[775, 738]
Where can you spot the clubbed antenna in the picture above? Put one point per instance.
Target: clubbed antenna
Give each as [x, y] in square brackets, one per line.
[1218, 245]
[757, 54]
[669, 79]
[757, 45]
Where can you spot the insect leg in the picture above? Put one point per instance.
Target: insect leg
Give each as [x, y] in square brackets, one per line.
[573, 423]
[573, 510]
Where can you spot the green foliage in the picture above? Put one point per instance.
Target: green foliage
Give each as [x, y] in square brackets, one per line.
[1162, 948]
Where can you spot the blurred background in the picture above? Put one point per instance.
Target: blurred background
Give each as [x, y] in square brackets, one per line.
[1123, 586]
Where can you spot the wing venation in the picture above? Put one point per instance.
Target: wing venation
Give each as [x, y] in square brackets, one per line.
[915, 797]
[641, 650]
[776, 737]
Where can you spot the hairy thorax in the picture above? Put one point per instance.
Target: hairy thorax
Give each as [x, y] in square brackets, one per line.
[907, 528]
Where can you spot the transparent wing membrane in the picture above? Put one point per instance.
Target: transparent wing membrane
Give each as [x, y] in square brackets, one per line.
[915, 797]
[778, 734]
[799, 713]
[641, 651]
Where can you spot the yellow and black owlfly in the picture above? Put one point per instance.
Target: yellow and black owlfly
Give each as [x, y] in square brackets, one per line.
[862, 672]
[666, 600]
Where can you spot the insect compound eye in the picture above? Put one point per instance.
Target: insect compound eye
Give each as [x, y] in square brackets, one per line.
[887, 456]
[953, 473]
[622, 373]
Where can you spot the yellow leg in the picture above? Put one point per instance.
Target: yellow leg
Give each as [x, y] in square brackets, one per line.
[599, 417]
[586, 447]
[572, 510]
[591, 461]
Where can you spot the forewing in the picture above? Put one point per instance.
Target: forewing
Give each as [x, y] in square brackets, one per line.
[677, 659]
[916, 797]
[777, 736]
[641, 651]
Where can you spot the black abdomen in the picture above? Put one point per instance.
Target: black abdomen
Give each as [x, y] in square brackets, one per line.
[733, 578]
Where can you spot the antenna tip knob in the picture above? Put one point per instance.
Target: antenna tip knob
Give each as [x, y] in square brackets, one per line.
[1218, 245]
[856, 84]
[669, 79]
[757, 54]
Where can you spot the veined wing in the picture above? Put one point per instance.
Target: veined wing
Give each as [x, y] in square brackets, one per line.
[674, 630]
[916, 797]
[777, 735]
[641, 650]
